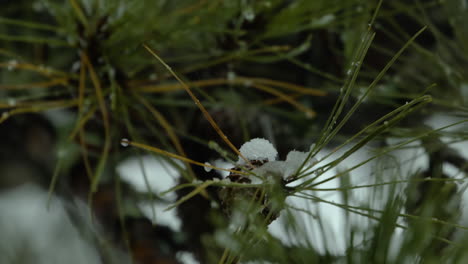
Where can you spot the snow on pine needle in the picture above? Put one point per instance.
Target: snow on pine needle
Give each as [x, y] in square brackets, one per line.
[263, 156]
[263, 169]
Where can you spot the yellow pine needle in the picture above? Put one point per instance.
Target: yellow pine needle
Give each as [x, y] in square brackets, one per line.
[100, 98]
[55, 175]
[278, 100]
[45, 71]
[309, 112]
[7, 105]
[38, 107]
[78, 11]
[164, 123]
[233, 56]
[168, 128]
[286, 85]
[53, 82]
[254, 82]
[225, 255]
[200, 106]
[83, 118]
[175, 156]
[81, 122]
[84, 154]
[81, 87]
[237, 80]
[200, 188]
[191, 8]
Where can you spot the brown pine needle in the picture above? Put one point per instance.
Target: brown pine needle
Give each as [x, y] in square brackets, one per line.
[44, 71]
[257, 83]
[81, 122]
[309, 113]
[21, 86]
[168, 128]
[197, 190]
[175, 156]
[105, 117]
[199, 105]
[238, 80]
[278, 100]
[37, 107]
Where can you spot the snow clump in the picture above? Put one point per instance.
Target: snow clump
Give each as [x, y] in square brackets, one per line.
[257, 149]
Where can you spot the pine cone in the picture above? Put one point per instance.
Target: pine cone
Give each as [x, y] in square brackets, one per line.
[249, 199]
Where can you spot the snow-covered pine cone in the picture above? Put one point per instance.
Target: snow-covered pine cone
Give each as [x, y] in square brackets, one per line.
[246, 200]
[271, 175]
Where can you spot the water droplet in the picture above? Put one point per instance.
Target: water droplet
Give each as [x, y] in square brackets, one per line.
[348, 72]
[386, 123]
[153, 76]
[124, 142]
[318, 171]
[207, 169]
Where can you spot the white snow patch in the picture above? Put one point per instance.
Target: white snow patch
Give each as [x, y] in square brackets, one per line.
[257, 149]
[333, 235]
[167, 218]
[294, 160]
[219, 163]
[207, 168]
[329, 235]
[160, 173]
[287, 168]
[32, 233]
